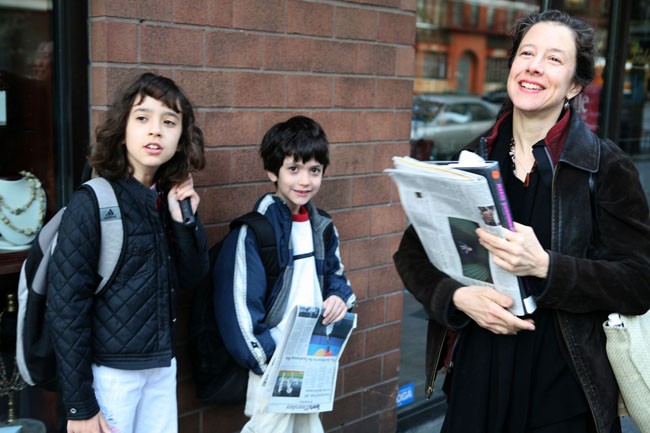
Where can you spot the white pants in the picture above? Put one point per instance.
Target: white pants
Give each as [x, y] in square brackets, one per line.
[267, 422]
[137, 401]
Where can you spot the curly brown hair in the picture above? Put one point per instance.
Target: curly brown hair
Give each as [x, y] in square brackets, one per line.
[109, 156]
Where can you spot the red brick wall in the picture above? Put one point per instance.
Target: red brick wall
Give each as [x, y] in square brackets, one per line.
[247, 64]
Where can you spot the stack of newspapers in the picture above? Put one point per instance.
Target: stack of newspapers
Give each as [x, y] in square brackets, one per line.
[446, 202]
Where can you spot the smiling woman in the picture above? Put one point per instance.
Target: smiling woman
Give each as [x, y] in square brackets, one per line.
[548, 371]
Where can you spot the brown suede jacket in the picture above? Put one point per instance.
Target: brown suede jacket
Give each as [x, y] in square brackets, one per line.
[589, 276]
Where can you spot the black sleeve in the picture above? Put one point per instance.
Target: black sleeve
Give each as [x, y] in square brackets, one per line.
[431, 287]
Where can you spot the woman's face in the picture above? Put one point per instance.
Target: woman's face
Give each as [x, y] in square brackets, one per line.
[541, 76]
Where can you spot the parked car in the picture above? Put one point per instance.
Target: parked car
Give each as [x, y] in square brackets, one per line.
[498, 96]
[450, 121]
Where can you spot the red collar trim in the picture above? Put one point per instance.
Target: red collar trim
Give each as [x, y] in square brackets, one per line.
[556, 136]
[302, 215]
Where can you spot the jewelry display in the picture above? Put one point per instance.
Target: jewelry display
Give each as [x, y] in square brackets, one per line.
[22, 211]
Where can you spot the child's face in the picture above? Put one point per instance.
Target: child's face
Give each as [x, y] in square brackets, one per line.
[297, 182]
[152, 134]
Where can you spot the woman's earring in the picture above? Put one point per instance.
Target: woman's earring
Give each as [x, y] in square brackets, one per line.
[567, 101]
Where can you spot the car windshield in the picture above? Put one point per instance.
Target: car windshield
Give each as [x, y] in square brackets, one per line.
[425, 110]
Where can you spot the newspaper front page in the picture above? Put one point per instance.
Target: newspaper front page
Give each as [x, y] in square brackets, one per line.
[446, 205]
[301, 377]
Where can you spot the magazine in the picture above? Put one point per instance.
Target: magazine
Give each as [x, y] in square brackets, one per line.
[301, 376]
[446, 202]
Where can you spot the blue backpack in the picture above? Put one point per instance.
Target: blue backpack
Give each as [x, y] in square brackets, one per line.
[218, 379]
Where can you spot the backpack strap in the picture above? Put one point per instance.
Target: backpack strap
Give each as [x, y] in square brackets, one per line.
[112, 230]
[265, 236]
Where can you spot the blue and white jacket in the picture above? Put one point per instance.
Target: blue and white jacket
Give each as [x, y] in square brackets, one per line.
[245, 310]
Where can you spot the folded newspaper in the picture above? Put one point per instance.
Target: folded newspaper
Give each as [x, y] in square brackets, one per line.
[446, 202]
[301, 377]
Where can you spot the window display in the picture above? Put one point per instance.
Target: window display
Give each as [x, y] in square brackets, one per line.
[22, 209]
[27, 189]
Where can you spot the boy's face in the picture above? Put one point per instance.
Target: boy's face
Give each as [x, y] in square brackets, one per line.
[297, 181]
[152, 134]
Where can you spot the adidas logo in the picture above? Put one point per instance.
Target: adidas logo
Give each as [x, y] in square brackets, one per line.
[111, 213]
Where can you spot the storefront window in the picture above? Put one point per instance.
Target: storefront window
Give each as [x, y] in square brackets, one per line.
[26, 169]
[30, 179]
[624, 114]
[635, 119]
[26, 121]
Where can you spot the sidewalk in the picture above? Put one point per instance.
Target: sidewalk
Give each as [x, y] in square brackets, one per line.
[430, 421]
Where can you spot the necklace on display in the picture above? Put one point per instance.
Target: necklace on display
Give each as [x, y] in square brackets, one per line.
[34, 184]
[36, 194]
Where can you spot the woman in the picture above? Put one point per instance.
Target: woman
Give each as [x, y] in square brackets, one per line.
[581, 242]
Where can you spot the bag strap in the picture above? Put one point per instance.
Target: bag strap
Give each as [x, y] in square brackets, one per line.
[265, 236]
[112, 230]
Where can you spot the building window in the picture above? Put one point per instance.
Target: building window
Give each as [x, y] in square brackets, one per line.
[457, 14]
[434, 66]
[496, 70]
[490, 17]
[474, 12]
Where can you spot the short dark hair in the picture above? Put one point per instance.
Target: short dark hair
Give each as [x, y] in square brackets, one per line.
[300, 137]
[584, 37]
[109, 155]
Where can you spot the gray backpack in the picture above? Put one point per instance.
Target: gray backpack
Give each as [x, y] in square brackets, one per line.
[34, 350]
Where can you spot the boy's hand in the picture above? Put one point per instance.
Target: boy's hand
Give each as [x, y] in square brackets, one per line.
[179, 192]
[334, 309]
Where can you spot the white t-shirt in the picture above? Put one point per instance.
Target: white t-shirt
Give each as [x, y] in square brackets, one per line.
[305, 289]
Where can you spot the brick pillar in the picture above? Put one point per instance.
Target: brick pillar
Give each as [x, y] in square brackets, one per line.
[247, 64]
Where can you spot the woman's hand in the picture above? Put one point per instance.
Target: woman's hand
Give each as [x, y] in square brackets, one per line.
[334, 310]
[96, 424]
[179, 192]
[520, 253]
[489, 309]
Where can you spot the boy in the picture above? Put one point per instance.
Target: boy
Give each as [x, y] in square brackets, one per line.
[251, 316]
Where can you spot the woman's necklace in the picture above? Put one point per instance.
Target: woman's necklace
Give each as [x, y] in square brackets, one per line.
[35, 194]
[513, 157]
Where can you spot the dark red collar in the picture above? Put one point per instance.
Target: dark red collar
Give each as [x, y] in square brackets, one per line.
[554, 140]
[301, 216]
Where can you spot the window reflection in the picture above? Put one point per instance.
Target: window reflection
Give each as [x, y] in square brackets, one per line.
[635, 118]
